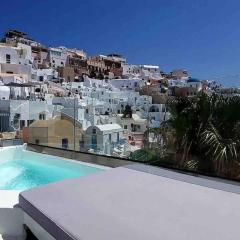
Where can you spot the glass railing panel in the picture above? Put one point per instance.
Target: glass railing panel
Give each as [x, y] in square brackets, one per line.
[128, 125]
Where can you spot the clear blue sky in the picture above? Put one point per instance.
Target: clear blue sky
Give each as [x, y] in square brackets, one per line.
[202, 36]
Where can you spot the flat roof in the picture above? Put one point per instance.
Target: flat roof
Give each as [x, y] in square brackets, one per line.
[150, 66]
[136, 203]
[109, 127]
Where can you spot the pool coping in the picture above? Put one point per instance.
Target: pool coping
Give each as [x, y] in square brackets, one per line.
[9, 198]
[24, 146]
[72, 160]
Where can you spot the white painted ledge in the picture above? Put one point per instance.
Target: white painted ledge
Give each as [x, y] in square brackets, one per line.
[8, 198]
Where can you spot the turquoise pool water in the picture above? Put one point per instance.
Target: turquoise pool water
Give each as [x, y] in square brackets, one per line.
[36, 170]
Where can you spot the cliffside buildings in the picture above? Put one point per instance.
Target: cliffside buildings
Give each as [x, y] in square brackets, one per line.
[60, 97]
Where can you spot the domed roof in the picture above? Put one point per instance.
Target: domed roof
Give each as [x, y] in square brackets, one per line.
[193, 80]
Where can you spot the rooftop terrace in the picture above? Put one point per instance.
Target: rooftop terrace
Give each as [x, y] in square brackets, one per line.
[135, 202]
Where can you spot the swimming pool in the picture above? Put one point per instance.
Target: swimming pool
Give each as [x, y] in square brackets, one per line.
[21, 169]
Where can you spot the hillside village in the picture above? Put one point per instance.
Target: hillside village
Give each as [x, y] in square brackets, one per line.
[63, 98]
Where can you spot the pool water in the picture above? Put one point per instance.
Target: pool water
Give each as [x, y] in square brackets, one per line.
[28, 173]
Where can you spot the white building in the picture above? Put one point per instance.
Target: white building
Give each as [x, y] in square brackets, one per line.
[24, 112]
[194, 83]
[15, 60]
[15, 92]
[150, 72]
[102, 138]
[57, 57]
[8, 55]
[4, 93]
[45, 74]
[127, 84]
[179, 82]
[134, 128]
[130, 70]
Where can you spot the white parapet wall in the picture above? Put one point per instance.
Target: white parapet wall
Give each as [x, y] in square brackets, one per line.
[11, 218]
[11, 153]
[36, 229]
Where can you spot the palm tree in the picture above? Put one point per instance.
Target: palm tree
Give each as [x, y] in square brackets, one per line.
[206, 133]
[221, 136]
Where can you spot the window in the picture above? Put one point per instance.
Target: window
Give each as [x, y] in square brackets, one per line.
[42, 116]
[22, 124]
[87, 111]
[110, 137]
[81, 144]
[118, 137]
[8, 58]
[65, 143]
[125, 127]
[41, 78]
[94, 131]
[37, 141]
[29, 122]
[94, 142]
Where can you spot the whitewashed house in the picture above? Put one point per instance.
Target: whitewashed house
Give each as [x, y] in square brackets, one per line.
[102, 138]
[179, 82]
[150, 72]
[47, 74]
[4, 93]
[130, 70]
[134, 128]
[15, 60]
[127, 84]
[57, 57]
[24, 112]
